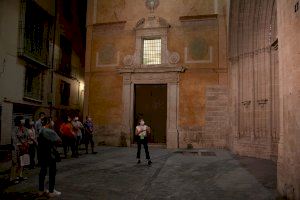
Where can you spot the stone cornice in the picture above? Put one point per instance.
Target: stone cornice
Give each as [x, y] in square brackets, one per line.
[152, 69]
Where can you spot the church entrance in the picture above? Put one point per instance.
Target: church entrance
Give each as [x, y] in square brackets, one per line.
[150, 103]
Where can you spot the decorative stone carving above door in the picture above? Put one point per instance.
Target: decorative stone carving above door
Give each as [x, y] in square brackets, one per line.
[147, 28]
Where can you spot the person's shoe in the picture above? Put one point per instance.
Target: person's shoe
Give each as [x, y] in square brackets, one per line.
[55, 193]
[23, 178]
[149, 162]
[86, 152]
[45, 192]
[139, 161]
[94, 152]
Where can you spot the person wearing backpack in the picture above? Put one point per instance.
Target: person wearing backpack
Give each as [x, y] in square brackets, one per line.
[48, 139]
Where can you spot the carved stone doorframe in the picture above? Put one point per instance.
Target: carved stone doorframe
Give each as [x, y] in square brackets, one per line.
[135, 72]
[155, 75]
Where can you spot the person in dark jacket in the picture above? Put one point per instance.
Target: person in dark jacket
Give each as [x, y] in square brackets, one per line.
[89, 134]
[48, 139]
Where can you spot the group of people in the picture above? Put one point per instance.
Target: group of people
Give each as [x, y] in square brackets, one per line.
[40, 137]
[74, 133]
[30, 138]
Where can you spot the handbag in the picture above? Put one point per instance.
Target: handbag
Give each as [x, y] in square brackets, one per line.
[24, 160]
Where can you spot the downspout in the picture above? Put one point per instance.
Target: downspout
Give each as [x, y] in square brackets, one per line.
[52, 59]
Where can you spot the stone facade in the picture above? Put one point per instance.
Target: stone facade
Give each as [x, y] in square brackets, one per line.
[254, 78]
[193, 61]
[288, 173]
[215, 132]
[264, 86]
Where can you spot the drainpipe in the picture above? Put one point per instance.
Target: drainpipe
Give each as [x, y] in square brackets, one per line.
[52, 59]
[177, 138]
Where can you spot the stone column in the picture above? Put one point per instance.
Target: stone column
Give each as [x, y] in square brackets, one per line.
[172, 132]
[126, 124]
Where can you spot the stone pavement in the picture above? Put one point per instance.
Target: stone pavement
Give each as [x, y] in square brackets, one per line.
[194, 174]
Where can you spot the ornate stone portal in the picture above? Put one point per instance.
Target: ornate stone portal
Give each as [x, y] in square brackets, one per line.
[134, 72]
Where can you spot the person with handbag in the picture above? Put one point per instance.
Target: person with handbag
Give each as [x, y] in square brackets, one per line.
[77, 127]
[141, 132]
[32, 141]
[48, 139]
[20, 146]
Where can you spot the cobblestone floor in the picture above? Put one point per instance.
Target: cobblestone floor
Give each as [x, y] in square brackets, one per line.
[114, 174]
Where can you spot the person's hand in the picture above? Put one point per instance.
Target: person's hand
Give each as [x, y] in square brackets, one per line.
[59, 141]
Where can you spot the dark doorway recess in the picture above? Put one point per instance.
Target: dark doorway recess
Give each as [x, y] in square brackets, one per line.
[150, 103]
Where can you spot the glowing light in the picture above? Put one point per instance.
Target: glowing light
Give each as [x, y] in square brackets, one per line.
[81, 86]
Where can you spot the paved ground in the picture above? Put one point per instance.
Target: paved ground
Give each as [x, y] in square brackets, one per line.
[114, 174]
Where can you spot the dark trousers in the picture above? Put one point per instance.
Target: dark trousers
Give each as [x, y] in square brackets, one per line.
[31, 151]
[68, 142]
[43, 172]
[77, 144]
[89, 139]
[38, 154]
[143, 142]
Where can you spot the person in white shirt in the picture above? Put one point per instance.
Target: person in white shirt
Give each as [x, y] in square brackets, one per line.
[32, 141]
[141, 132]
[77, 127]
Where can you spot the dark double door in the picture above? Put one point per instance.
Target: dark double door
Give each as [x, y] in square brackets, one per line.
[151, 105]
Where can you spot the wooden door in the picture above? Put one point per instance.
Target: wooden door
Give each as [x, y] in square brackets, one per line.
[151, 105]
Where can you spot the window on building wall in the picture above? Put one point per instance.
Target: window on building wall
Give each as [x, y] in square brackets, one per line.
[64, 93]
[151, 51]
[33, 83]
[66, 53]
[35, 25]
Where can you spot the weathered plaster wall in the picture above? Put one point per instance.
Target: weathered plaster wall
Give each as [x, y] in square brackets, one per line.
[12, 68]
[289, 58]
[133, 10]
[202, 47]
[106, 106]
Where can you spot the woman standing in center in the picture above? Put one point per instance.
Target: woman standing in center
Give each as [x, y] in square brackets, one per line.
[141, 131]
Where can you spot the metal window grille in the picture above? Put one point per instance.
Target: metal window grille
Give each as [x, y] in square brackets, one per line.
[33, 83]
[151, 51]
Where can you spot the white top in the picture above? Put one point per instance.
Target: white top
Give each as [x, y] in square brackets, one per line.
[143, 129]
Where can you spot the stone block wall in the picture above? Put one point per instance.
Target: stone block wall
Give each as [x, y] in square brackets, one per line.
[254, 79]
[216, 115]
[215, 130]
[288, 166]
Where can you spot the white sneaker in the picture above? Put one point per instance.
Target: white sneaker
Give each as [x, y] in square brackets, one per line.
[55, 193]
